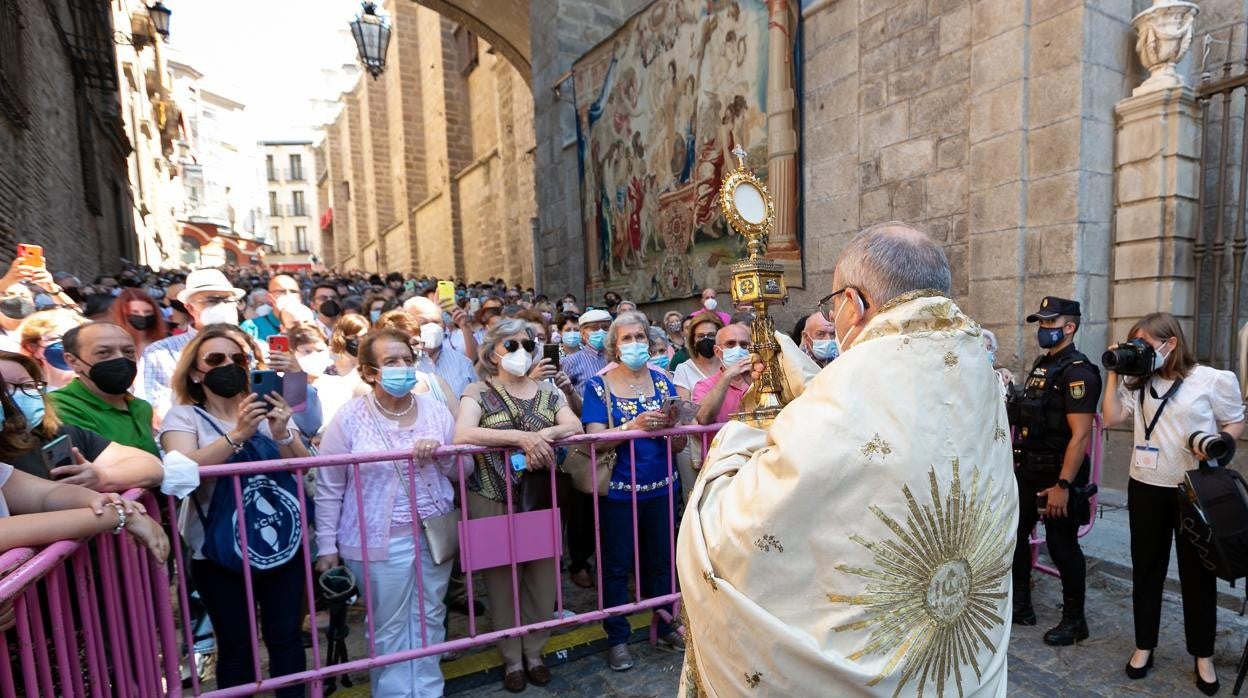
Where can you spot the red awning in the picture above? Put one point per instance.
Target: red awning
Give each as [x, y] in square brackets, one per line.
[327, 219]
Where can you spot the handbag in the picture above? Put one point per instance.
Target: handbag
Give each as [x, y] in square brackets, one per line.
[441, 531]
[578, 465]
[533, 492]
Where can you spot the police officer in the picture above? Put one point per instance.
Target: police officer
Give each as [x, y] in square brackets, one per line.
[1052, 420]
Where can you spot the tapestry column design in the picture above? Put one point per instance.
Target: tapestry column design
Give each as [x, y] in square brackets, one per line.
[782, 130]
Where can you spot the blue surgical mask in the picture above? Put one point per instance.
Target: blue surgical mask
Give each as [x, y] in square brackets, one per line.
[634, 355]
[54, 354]
[1050, 337]
[661, 361]
[374, 315]
[597, 339]
[398, 380]
[735, 355]
[824, 349]
[992, 358]
[30, 406]
[571, 339]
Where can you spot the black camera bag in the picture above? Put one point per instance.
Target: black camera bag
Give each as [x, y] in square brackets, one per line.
[1213, 515]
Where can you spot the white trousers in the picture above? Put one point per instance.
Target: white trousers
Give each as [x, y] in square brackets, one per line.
[396, 617]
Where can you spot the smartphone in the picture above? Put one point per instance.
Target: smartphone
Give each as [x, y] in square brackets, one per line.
[295, 391]
[446, 294]
[474, 305]
[279, 342]
[30, 255]
[518, 462]
[551, 351]
[265, 382]
[58, 452]
[679, 411]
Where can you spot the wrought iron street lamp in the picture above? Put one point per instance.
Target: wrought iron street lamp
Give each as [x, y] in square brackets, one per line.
[160, 18]
[372, 37]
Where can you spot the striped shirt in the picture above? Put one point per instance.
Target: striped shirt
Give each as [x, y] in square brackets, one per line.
[582, 366]
[156, 367]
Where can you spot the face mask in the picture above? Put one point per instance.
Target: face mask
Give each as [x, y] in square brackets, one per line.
[316, 362]
[992, 358]
[705, 347]
[54, 354]
[673, 327]
[597, 339]
[843, 343]
[141, 322]
[710, 304]
[330, 308]
[374, 315]
[398, 380]
[226, 313]
[555, 338]
[571, 339]
[17, 307]
[517, 362]
[661, 361]
[1159, 357]
[634, 355]
[431, 335]
[546, 316]
[31, 407]
[113, 376]
[735, 355]
[226, 381]
[352, 345]
[1049, 337]
[116, 292]
[263, 310]
[824, 349]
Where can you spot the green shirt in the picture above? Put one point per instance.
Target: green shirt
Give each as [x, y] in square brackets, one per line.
[680, 357]
[77, 405]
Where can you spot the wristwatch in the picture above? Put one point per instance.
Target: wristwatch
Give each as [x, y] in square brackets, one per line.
[1063, 483]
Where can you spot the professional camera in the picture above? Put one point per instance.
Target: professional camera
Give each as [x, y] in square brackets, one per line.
[1219, 447]
[1131, 358]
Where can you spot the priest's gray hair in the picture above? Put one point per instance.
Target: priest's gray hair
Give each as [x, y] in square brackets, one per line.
[889, 259]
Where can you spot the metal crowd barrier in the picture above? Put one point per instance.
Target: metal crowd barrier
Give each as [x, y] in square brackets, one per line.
[106, 606]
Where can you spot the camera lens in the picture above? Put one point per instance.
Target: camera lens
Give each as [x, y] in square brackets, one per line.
[1214, 446]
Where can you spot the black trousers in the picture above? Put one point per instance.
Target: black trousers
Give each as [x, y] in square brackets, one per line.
[578, 513]
[1154, 519]
[1061, 538]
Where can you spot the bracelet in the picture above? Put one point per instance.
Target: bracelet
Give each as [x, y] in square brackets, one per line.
[235, 446]
[290, 437]
[121, 518]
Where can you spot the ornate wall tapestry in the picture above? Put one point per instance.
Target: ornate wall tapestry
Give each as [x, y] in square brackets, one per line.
[660, 105]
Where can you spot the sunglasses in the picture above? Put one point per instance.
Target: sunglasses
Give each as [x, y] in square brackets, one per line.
[513, 344]
[217, 358]
[732, 343]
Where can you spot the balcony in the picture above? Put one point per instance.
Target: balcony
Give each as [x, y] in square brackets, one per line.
[289, 211]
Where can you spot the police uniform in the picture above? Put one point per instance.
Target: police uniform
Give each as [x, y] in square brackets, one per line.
[1059, 384]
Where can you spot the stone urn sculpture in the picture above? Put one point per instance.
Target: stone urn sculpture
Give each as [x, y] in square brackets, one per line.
[1165, 33]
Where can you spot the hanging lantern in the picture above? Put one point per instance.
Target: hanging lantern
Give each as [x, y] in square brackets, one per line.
[160, 18]
[372, 37]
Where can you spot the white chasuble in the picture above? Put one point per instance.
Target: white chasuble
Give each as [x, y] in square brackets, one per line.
[862, 545]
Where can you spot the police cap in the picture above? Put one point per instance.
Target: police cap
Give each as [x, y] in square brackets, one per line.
[1052, 307]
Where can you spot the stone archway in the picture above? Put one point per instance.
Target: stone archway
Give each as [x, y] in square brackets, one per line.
[504, 24]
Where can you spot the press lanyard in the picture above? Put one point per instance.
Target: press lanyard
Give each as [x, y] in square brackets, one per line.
[1165, 399]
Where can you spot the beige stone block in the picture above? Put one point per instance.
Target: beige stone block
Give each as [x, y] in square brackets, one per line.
[1053, 149]
[905, 160]
[833, 21]
[1095, 241]
[941, 111]
[947, 193]
[838, 60]
[1053, 199]
[919, 45]
[831, 177]
[955, 29]
[875, 206]
[1136, 181]
[998, 60]
[952, 152]
[996, 161]
[871, 8]
[834, 101]
[995, 303]
[991, 254]
[826, 140]
[873, 95]
[880, 60]
[1138, 260]
[1051, 249]
[1044, 9]
[943, 7]
[1057, 42]
[906, 16]
[869, 174]
[908, 199]
[1055, 96]
[992, 17]
[1117, 47]
[831, 215]
[1104, 88]
[1140, 220]
[906, 83]
[959, 272]
[882, 128]
[873, 31]
[997, 111]
[998, 208]
[952, 67]
[1135, 298]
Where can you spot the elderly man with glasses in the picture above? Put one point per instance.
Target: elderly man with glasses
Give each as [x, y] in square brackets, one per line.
[719, 395]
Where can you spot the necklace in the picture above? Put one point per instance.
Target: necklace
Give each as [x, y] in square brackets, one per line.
[411, 403]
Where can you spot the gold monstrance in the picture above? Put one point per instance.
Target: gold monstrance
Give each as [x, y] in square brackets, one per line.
[758, 281]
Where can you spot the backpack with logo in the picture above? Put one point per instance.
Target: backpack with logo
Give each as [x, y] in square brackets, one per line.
[1213, 515]
[270, 512]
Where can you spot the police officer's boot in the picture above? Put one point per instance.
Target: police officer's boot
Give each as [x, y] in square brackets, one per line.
[1073, 627]
[1024, 614]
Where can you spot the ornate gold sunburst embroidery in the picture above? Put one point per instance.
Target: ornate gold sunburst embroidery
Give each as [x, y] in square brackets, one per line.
[877, 446]
[769, 543]
[932, 597]
[753, 679]
[951, 359]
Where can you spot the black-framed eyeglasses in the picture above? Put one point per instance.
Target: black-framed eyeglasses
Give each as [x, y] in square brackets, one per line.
[214, 300]
[704, 335]
[513, 344]
[217, 358]
[825, 304]
[31, 389]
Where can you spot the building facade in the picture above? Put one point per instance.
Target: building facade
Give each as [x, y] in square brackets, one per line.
[290, 169]
[430, 167]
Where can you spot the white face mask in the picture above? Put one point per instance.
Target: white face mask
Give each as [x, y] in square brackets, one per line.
[710, 304]
[1159, 357]
[517, 362]
[843, 343]
[431, 335]
[220, 313]
[263, 310]
[316, 363]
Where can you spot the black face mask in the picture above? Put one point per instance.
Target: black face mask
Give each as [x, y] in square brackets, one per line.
[353, 346]
[705, 347]
[141, 322]
[73, 293]
[226, 381]
[113, 376]
[17, 307]
[330, 308]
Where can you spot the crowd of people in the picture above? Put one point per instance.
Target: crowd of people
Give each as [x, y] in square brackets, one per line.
[140, 378]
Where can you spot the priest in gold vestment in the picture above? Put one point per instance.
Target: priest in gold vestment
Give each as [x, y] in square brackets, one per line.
[861, 545]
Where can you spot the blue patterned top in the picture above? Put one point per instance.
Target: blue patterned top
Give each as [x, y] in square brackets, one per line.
[652, 454]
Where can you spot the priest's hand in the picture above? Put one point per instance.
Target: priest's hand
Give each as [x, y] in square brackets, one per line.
[1057, 499]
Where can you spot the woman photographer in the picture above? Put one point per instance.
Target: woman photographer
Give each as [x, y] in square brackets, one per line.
[1170, 400]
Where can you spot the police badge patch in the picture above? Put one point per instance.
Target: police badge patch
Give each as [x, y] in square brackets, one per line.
[1077, 390]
